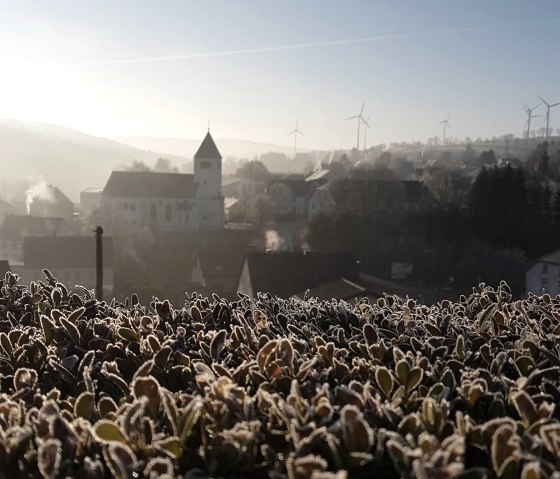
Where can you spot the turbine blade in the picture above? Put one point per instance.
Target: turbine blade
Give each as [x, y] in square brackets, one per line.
[353, 117]
[363, 105]
[542, 99]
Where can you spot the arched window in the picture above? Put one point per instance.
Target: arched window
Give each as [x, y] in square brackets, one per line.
[153, 212]
[168, 213]
[132, 207]
[126, 206]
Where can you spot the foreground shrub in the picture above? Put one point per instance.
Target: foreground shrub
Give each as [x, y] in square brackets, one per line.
[277, 388]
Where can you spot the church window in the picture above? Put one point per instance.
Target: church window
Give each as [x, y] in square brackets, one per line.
[126, 206]
[153, 212]
[206, 165]
[168, 213]
[132, 207]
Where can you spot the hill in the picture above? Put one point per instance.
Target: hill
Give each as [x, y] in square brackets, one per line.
[67, 158]
[187, 147]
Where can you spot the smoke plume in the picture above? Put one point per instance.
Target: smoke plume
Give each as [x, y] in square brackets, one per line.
[40, 190]
[273, 240]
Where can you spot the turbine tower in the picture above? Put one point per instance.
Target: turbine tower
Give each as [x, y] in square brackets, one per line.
[296, 132]
[547, 115]
[360, 119]
[530, 116]
[446, 125]
[366, 124]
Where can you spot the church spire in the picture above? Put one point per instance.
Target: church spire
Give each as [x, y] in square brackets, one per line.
[208, 148]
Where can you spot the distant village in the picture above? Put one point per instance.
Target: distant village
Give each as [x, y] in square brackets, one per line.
[170, 233]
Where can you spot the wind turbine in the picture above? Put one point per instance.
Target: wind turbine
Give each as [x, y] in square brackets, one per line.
[446, 125]
[360, 119]
[530, 115]
[547, 116]
[366, 124]
[296, 132]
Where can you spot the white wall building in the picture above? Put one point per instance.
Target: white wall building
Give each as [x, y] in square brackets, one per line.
[168, 202]
[544, 275]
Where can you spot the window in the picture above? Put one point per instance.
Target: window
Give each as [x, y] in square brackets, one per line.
[186, 217]
[205, 165]
[168, 213]
[153, 212]
[545, 268]
[132, 207]
[126, 206]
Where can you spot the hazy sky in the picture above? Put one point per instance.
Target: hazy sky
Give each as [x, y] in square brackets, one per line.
[73, 63]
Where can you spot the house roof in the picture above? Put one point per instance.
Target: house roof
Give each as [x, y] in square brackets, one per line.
[15, 227]
[229, 202]
[287, 273]
[208, 148]
[339, 289]
[221, 263]
[298, 187]
[55, 195]
[149, 184]
[65, 252]
[318, 175]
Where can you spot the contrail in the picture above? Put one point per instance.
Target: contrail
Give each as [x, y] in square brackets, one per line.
[300, 46]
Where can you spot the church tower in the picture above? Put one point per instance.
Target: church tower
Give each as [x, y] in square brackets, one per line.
[208, 180]
[208, 169]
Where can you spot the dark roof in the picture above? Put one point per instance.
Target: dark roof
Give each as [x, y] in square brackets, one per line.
[378, 287]
[220, 262]
[287, 273]
[55, 195]
[148, 184]
[339, 289]
[15, 227]
[64, 252]
[4, 268]
[298, 187]
[208, 148]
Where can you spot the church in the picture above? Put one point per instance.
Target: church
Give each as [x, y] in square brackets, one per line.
[168, 202]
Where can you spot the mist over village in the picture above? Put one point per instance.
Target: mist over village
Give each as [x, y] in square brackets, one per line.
[276, 240]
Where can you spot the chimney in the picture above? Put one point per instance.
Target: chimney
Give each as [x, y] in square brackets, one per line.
[99, 262]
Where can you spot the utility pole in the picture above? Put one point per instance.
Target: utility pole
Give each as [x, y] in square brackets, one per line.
[99, 262]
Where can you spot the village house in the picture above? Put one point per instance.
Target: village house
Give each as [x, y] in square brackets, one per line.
[217, 272]
[70, 259]
[90, 200]
[167, 202]
[362, 197]
[287, 273]
[16, 227]
[51, 203]
[544, 275]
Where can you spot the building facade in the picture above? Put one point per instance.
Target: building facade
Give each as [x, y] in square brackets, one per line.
[167, 202]
[544, 275]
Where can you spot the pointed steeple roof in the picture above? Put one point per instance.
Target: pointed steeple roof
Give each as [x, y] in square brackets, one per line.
[208, 148]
